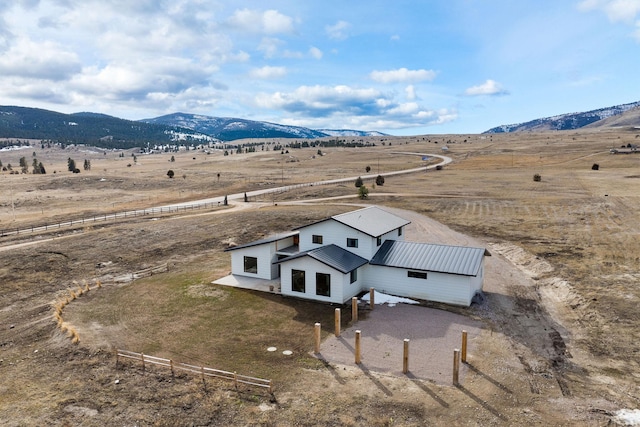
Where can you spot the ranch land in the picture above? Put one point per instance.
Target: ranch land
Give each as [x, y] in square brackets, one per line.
[559, 325]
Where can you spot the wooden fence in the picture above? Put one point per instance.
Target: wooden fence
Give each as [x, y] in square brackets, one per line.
[200, 370]
[108, 217]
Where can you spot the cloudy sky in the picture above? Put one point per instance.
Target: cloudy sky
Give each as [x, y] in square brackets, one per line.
[404, 67]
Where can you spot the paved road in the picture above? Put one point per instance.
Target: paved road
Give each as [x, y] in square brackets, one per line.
[215, 201]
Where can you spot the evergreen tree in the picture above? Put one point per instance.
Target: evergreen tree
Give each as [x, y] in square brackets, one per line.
[71, 164]
[359, 182]
[87, 164]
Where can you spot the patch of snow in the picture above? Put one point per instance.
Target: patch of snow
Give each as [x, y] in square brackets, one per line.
[15, 147]
[628, 417]
[380, 298]
[272, 349]
[287, 352]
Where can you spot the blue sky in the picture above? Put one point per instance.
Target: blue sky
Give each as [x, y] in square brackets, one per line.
[401, 67]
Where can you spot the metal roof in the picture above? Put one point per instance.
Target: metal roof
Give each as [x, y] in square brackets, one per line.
[269, 239]
[371, 220]
[461, 260]
[333, 256]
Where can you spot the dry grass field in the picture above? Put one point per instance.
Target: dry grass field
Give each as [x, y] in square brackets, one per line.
[561, 324]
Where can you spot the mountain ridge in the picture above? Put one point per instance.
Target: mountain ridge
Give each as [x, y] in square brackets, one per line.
[570, 121]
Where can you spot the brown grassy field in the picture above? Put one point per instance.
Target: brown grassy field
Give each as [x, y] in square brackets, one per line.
[574, 234]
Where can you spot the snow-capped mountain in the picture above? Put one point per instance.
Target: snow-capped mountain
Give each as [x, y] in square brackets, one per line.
[229, 128]
[567, 121]
[350, 132]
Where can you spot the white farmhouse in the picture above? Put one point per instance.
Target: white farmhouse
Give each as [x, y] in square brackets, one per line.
[340, 257]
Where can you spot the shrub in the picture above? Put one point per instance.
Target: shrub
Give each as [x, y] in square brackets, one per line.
[170, 173]
[595, 167]
[380, 180]
[359, 182]
[363, 192]
[537, 177]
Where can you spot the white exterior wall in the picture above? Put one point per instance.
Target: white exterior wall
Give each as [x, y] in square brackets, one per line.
[439, 287]
[311, 267]
[265, 254]
[333, 232]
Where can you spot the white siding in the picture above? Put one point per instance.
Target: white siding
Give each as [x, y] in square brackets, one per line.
[333, 232]
[311, 267]
[446, 288]
[265, 254]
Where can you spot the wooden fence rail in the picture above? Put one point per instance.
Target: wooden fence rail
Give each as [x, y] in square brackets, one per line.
[200, 370]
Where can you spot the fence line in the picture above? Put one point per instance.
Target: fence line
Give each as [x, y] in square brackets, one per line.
[203, 371]
[106, 217]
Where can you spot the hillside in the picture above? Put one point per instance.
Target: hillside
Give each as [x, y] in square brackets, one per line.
[229, 128]
[618, 115]
[87, 128]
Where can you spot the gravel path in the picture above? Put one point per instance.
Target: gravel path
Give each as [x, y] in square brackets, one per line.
[433, 335]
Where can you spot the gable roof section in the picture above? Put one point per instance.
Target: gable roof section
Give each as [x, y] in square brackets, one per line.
[371, 220]
[460, 260]
[264, 241]
[333, 256]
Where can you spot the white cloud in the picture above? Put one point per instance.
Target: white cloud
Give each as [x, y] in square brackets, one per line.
[616, 10]
[395, 38]
[402, 75]
[410, 92]
[268, 72]
[339, 30]
[315, 52]
[45, 60]
[270, 46]
[345, 106]
[267, 22]
[490, 88]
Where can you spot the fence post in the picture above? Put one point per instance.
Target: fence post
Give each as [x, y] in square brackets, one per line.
[316, 335]
[337, 322]
[142, 358]
[235, 380]
[173, 373]
[464, 347]
[117, 358]
[372, 301]
[456, 366]
[358, 347]
[405, 357]
[354, 309]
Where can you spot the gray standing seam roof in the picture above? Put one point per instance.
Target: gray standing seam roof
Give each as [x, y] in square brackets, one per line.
[333, 256]
[461, 260]
[371, 220]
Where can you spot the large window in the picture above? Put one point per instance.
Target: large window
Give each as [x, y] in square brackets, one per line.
[354, 275]
[323, 284]
[316, 239]
[417, 274]
[250, 264]
[297, 281]
[352, 243]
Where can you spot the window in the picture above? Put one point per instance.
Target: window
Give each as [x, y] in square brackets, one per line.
[417, 274]
[352, 243]
[379, 241]
[316, 239]
[399, 231]
[251, 264]
[354, 275]
[323, 284]
[297, 281]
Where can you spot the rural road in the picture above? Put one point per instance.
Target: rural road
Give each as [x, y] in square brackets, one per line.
[202, 203]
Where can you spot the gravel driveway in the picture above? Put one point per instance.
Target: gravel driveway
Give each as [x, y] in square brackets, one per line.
[433, 335]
